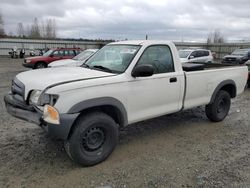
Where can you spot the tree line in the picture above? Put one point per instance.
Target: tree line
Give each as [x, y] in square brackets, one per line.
[43, 29]
[2, 32]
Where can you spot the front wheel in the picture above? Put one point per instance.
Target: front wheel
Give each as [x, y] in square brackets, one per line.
[40, 65]
[93, 139]
[218, 110]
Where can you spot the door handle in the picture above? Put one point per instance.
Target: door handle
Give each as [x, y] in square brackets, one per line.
[174, 79]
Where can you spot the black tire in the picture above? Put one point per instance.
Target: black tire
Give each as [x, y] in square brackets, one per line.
[218, 110]
[93, 139]
[40, 65]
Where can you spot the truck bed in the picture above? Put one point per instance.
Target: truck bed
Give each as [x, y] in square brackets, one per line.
[202, 79]
[204, 66]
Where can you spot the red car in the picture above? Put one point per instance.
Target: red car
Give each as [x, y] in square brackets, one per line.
[38, 62]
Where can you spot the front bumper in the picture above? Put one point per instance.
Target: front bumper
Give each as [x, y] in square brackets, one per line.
[33, 115]
[21, 110]
[28, 65]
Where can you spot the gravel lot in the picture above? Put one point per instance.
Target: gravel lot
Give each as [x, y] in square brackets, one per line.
[180, 150]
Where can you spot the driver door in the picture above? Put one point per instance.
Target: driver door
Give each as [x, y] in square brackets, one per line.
[158, 94]
[57, 55]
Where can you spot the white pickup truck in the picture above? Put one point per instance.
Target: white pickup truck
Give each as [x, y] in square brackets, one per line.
[123, 83]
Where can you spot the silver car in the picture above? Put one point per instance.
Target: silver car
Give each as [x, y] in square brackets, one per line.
[196, 55]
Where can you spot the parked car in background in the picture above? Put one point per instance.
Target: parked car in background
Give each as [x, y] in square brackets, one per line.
[238, 56]
[38, 62]
[196, 55]
[75, 61]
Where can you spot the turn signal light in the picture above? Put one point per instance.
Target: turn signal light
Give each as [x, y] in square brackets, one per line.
[51, 115]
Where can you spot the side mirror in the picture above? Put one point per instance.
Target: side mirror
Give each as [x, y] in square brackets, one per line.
[51, 55]
[143, 70]
[191, 57]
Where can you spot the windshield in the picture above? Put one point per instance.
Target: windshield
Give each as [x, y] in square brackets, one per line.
[84, 55]
[184, 53]
[113, 58]
[46, 54]
[240, 52]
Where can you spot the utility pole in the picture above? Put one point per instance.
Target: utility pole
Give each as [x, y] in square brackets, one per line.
[146, 37]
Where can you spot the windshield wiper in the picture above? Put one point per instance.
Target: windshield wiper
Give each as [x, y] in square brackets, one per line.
[85, 65]
[103, 68]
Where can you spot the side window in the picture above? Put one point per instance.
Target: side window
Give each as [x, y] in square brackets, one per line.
[205, 53]
[58, 53]
[200, 53]
[66, 53]
[159, 57]
[194, 54]
[55, 53]
[70, 52]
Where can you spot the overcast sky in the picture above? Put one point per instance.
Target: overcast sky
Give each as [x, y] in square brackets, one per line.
[188, 20]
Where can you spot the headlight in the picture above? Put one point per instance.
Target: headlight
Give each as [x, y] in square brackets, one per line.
[40, 99]
[34, 96]
[51, 115]
[46, 98]
[27, 60]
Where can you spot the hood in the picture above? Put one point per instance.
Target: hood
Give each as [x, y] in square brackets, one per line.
[184, 60]
[64, 62]
[36, 58]
[234, 56]
[42, 78]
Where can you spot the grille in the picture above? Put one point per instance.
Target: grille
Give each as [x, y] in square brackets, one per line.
[17, 89]
[230, 59]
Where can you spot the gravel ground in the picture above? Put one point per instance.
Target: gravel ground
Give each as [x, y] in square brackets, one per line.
[179, 150]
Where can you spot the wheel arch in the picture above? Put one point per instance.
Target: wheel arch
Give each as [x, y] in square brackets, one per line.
[40, 62]
[109, 105]
[226, 85]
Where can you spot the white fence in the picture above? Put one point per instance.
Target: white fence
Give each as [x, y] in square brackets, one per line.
[6, 44]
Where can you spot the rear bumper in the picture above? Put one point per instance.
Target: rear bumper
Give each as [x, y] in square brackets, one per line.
[33, 115]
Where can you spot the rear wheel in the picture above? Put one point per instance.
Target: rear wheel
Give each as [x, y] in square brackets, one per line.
[40, 65]
[93, 139]
[218, 110]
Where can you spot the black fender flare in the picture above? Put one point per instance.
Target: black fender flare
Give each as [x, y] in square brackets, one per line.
[102, 101]
[221, 85]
